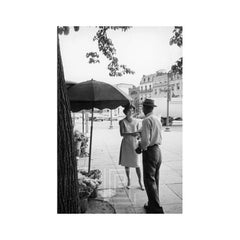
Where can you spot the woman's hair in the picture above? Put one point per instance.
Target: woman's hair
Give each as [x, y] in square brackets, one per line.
[127, 108]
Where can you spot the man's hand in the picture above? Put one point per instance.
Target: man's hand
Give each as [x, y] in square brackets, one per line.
[138, 150]
[135, 134]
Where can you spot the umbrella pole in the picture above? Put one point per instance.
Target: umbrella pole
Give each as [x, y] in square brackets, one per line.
[90, 148]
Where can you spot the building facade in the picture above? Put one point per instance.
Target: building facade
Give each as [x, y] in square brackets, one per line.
[134, 93]
[156, 85]
[146, 87]
[160, 86]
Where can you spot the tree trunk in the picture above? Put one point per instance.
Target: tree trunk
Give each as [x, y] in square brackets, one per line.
[68, 197]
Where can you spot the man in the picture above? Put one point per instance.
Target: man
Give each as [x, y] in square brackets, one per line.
[151, 138]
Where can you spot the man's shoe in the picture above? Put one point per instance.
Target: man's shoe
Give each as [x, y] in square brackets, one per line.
[146, 207]
[160, 210]
[150, 210]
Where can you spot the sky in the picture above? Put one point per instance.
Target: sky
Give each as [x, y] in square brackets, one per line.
[144, 50]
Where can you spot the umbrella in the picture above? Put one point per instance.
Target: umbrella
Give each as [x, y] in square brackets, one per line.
[69, 84]
[95, 94]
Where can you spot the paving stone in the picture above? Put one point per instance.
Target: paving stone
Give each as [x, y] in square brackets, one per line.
[140, 210]
[176, 165]
[168, 156]
[176, 188]
[137, 197]
[172, 208]
[164, 167]
[124, 209]
[179, 172]
[167, 196]
[170, 177]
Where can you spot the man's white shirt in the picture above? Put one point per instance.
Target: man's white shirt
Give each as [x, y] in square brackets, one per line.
[151, 131]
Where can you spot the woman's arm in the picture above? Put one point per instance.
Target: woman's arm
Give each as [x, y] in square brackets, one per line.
[134, 134]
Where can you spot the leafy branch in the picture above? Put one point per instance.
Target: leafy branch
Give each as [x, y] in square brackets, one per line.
[177, 67]
[177, 39]
[106, 47]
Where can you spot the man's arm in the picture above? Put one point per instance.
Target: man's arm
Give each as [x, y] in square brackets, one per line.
[145, 135]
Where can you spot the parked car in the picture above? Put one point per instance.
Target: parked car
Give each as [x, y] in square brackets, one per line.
[164, 121]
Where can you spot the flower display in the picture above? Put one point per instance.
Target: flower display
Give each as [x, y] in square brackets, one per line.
[93, 174]
[88, 182]
[84, 190]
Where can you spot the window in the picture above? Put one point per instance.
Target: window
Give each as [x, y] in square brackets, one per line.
[141, 88]
[172, 87]
[145, 87]
[150, 87]
[155, 91]
[178, 86]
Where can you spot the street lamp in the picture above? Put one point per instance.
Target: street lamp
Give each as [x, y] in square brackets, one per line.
[83, 121]
[167, 129]
[111, 125]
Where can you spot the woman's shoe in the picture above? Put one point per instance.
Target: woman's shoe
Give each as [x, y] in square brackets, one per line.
[141, 186]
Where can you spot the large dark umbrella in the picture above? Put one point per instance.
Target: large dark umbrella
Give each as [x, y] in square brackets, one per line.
[69, 84]
[95, 94]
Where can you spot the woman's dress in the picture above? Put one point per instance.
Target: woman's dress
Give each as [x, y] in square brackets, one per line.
[128, 156]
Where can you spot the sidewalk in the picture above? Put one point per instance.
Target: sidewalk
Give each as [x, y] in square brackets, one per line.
[105, 156]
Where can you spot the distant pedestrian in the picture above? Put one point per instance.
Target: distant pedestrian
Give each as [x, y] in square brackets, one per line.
[129, 130]
[151, 138]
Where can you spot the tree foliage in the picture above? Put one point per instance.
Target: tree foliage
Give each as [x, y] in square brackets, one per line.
[106, 47]
[177, 37]
[178, 40]
[177, 67]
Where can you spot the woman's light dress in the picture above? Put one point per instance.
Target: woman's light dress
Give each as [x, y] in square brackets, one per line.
[128, 156]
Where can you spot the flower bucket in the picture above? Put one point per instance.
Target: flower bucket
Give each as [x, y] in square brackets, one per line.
[83, 205]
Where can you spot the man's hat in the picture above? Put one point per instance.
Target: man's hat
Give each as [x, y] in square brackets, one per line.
[149, 102]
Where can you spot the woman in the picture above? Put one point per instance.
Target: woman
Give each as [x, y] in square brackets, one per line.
[129, 130]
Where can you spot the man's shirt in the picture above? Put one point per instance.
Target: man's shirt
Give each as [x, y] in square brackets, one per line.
[151, 131]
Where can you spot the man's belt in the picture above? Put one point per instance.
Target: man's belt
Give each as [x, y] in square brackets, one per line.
[155, 145]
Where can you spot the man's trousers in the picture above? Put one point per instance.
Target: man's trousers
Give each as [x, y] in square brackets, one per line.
[152, 159]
